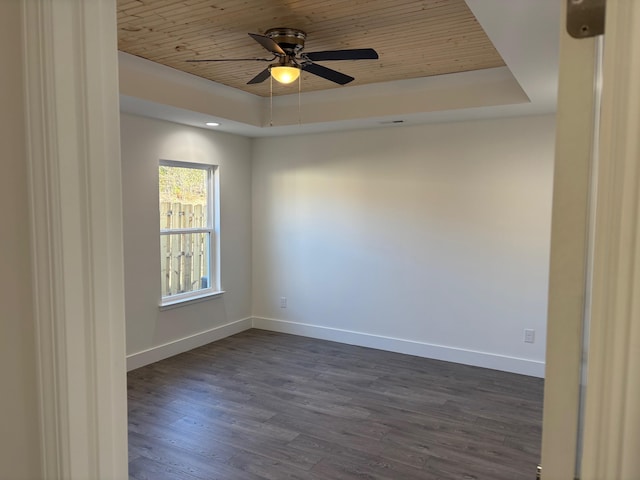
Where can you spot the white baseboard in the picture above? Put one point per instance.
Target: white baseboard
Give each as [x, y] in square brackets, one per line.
[155, 354]
[438, 352]
[410, 347]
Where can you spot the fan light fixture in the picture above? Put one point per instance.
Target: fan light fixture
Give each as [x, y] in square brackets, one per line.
[287, 45]
[285, 74]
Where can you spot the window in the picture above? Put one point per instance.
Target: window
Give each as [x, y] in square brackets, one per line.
[189, 231]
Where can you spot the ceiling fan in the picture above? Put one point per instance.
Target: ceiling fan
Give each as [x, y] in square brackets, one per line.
[287, 45]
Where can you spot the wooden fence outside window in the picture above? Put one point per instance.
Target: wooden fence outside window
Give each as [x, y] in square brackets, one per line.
[184, 255]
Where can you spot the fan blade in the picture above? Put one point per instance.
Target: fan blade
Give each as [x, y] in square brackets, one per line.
[354, 54]
[261, 77]
[327, 73]
[234, 60]
[268, 43]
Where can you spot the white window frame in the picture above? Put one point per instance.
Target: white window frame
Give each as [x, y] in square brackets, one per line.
[212, 228]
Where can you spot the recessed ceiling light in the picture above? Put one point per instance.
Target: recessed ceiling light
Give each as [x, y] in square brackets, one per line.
[212, 124]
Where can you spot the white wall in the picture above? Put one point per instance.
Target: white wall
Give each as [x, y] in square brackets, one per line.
[144, 142]
[431, 239]
[20, 442]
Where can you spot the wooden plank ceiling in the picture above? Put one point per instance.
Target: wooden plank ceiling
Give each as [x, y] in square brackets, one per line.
[413, 38]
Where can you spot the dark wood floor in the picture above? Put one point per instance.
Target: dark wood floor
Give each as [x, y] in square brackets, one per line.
[263, 405]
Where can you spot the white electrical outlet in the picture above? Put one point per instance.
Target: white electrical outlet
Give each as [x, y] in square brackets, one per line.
[529, 335]
[283, 302]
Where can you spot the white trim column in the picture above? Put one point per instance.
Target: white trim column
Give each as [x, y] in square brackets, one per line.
[71, 104]
[612, 420]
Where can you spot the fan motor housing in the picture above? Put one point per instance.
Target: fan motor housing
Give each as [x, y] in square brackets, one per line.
[291, 40]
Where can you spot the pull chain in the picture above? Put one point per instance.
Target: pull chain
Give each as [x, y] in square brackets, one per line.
[299, 100]
[270, 100]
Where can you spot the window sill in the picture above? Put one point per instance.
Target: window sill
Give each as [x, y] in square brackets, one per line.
[169, 304]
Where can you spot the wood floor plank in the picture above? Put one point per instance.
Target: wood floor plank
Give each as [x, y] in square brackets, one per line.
[264, 405]
[143, 468]
[193, 463]
[270, 468]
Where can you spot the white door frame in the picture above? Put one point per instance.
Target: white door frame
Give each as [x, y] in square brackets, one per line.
[611, 435]
[569, 250]
[612, 418]
[74, 167]
[72, 116]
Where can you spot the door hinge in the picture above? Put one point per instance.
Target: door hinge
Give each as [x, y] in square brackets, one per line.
[585, 18]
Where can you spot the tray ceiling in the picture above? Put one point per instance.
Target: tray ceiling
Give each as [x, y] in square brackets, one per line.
[413, 38]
